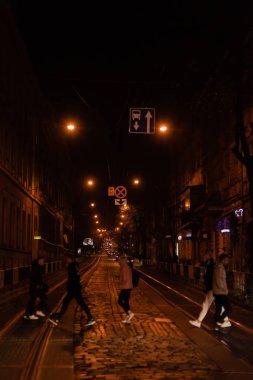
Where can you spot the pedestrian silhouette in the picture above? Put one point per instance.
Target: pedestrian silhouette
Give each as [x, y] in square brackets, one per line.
[74, 290]
[209, 298]
[38, 289]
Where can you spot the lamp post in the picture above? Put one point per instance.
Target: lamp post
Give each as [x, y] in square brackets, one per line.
[69, 129]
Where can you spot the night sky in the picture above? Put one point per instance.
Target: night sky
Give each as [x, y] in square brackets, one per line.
[96, 60]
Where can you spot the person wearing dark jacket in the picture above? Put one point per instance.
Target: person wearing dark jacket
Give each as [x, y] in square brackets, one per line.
[74, 290]
[38, 289]
[208, 281]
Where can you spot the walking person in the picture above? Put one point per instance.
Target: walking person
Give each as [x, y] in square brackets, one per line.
[38, 289]
[126, 286]
[209, 298]
[74, 290]
[220, 292]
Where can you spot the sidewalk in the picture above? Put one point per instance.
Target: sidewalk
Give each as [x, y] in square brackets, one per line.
[152, 347]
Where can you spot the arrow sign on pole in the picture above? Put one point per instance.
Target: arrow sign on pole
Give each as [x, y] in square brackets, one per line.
[120, 202]
[148, 117]
[142, 120]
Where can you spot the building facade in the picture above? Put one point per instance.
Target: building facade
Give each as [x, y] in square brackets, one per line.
[35, 192]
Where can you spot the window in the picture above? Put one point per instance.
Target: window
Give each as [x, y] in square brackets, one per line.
[28, 239]
[18, 228]
[4, 221]
[23, 229]
[11, 225]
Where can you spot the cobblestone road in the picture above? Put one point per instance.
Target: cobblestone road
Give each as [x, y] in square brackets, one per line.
[152, 347]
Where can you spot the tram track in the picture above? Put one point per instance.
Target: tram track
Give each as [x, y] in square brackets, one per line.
[233, 338]
[53, 287]
[33, 342]
[235, 322]
[31, 370]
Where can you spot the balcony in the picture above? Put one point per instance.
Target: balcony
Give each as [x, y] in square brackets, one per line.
[192, 197]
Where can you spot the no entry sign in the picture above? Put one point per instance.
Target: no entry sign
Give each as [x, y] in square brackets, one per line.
[120, 192]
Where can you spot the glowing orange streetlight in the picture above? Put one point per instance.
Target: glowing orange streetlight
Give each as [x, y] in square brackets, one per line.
[90, 182]
[163, 128]
[70, 127]
[95, 216]
[136, 181]
[97, 222]
[92, 205]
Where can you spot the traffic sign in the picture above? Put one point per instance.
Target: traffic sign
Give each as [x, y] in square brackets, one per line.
[110, 191]
[142, 120]
[120, 192]
[120, 202]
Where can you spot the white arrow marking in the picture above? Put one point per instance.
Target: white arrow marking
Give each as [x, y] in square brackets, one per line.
[136, 125]
[120, 202]
[148, 117]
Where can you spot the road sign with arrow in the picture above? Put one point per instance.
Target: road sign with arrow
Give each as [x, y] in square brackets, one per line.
[120, 202]
[142, 120]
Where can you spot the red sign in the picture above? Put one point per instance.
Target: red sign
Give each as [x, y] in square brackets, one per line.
[120, 192]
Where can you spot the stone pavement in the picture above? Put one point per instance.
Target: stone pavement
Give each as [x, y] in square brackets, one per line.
[151, 347]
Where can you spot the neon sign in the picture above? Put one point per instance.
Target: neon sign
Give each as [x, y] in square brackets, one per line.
[239, 212]
[223, 224]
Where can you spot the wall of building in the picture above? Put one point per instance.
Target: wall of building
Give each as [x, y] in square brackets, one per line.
[34, 175]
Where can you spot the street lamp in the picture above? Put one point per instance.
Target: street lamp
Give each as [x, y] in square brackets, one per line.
[92, 205]
[163, 129]
[70, 127]
[136, 181]
[90, 182]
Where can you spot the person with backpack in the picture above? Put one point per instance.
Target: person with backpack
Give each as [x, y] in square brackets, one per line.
[126, 286]
[74, 290]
